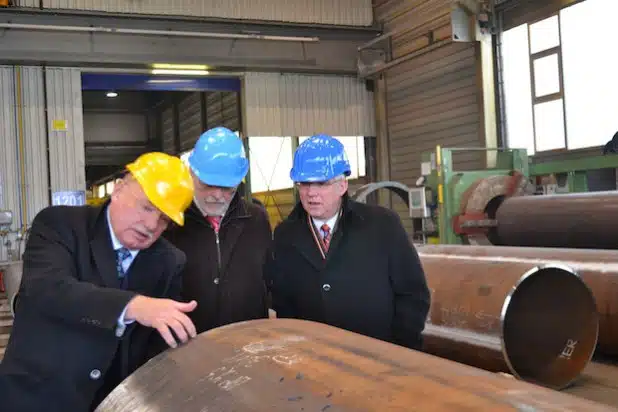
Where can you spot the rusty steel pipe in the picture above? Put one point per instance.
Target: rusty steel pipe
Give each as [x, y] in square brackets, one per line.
[577, 220]
[536, 321]
[294, 365]
[597, 268]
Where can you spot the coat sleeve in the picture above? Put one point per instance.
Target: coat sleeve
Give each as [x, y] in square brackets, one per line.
[266, 240]
[282, 301]
[412, 297]
[173, 290]
[50, 282]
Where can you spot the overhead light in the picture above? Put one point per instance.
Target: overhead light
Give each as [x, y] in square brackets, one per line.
[167, 66]
[181, 72]
[112, 94]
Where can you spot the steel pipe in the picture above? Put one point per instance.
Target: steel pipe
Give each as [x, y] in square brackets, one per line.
[578, 220]
[537, 321]
[295, 365]
[597, 268]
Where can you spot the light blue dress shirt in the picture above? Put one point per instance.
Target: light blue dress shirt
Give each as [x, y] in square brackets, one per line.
[122, 324]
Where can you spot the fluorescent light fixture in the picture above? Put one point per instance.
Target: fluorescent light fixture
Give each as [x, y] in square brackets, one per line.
[172, 81]
[181, 72]
[112, 94]
[167, 66]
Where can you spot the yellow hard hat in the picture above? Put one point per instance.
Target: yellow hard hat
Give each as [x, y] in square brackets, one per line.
[166, 181]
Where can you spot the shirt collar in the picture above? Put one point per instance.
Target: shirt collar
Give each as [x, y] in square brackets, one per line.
[115, 242]
[330, 222]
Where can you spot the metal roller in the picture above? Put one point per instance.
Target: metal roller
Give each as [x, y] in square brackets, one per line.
[294, 365]
[597, 268]
[578, 220]
[535, 321]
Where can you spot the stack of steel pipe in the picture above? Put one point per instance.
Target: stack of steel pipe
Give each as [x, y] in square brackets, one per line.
[295, 365]
[576, 220]
[597, 268]
[535, 320]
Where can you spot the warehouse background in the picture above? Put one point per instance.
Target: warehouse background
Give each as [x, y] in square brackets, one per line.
[438, 79]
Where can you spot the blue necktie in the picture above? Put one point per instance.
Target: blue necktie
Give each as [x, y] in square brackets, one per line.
[122, 254]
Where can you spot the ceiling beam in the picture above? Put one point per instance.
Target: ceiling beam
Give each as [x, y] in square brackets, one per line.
[78, 39]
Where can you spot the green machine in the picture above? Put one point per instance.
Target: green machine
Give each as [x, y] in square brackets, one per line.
[461, 204]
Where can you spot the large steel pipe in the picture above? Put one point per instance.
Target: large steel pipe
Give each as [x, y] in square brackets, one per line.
[578, 220]
[536, 321]
[294, 365]
[598, 269]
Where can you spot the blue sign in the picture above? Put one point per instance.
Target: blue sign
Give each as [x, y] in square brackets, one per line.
[142, 82]
[69, 198]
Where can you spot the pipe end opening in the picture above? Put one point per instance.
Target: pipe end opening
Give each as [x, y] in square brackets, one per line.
[550, 326]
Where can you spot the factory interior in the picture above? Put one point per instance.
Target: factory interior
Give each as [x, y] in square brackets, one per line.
[479, 122]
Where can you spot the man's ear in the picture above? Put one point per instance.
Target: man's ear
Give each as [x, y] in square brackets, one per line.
[343, 187]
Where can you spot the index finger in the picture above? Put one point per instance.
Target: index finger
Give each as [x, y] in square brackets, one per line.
[186, 323]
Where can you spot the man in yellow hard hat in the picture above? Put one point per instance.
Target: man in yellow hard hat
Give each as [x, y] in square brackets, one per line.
[98, 284]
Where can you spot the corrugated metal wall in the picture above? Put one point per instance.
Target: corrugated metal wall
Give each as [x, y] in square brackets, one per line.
[167, 132]
[66, 147]
[222, 109]
[301, 105]
[189, 120]
[36, 166]
[432, 99]
[22, 124]
[27, 3]
[9, 157]
[341, 12]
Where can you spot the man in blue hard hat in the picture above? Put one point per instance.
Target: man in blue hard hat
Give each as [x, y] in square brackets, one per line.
[225, 237]
[345, 263]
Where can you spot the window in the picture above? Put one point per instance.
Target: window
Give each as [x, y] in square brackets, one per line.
[355, 149]
[589, 65]
[270, 162]
[565, 97]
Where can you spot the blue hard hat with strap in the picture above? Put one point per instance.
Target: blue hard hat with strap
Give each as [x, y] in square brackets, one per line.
[219, 158]
[319, 159]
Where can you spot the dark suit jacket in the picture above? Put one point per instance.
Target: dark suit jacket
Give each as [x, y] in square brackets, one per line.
[63, 342]
[372, 281]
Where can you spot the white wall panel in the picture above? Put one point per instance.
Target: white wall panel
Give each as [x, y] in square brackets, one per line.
[27, 3]
[340, 12]
[22, 147]
[66, 147]
[35, 141]
[302, 105]
[9, 157]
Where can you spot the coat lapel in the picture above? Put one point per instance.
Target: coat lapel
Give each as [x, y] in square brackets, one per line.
[101, 248]
[147, 269]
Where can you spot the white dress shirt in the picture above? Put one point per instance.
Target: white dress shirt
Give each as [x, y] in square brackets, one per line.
[330, 222]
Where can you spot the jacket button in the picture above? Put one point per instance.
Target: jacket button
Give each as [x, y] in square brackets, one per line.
[95, 374]
[326, 287]
[216, 281]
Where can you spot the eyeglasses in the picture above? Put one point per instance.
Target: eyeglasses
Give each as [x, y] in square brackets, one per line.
[319, 185]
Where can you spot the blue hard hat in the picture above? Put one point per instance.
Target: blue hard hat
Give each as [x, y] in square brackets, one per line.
[219, 159]
[318, 159]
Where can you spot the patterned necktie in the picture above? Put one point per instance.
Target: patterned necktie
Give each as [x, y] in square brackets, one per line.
[122, 254]
[215, 222]
[325, 236]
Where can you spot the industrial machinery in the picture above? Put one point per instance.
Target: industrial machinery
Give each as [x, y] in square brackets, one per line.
[515, 202]
[296, 365]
